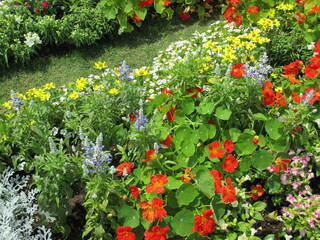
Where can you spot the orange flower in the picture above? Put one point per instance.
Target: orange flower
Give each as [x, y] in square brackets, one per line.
[195, 90]
[158, 181]
[217, 180]
[156, 233]
[166, 2]
[167, 141]
[280, 99]
[136, 18]
[255, 140]
[153, 210]
[150, 155]
[228, 145]
[296, 98]
[167, 92]
[281, 165]
[215, 151]
[133, 117]
[234, 1]
[300, 2]
[315, 9]
[187, 176]
[256, 191]
[268, 97]
[228, 192]
[299, 17]
[125, 233]
[204, 224]
[238, 70]
[171, 114]
[124, 168]
[253, 10]
[230, 163]
[135, 192]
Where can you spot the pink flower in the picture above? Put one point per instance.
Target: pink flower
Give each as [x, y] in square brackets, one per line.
[44, 4]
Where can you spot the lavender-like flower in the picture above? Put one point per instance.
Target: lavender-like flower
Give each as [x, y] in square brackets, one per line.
[124, 72]
[95, 157]
[16, 100]
[260, 71]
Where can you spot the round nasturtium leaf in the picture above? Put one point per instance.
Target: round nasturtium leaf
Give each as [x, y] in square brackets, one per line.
[182, 223]
[223, 113]
[245, 145]
[186, 194]
[129, 216]
[262, 159]
[274, 128]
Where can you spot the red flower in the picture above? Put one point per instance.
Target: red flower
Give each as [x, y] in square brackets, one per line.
[253, 10]
[171, 114]
[268, 97]
[184, 16]
[165, 90]
[44, 4]
[234, 1]
[215, 151]
[230, 13]
[125, 233]
[255, 140]
[299, 17]
[158, 181]
[124, 168]
[187, 176]
[293, 68]
[238, 70]
[281, 165]
[296, 98]
[166, 2]
[204, 224]
[228, 192]
[315, 9]
[195, 90]
[230, 163]
[136, 18]
[167, 141]
[156, 233]
[133, 117]
[316, 93]
[300, 2]
[146, 3]
[150, 155]
[134, 192]
[228, 145]
[153, 210]
[280, 99]
[217, 180]
[256, 191]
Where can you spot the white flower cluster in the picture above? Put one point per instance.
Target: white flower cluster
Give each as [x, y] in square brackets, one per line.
[18, 209]
[32, 39]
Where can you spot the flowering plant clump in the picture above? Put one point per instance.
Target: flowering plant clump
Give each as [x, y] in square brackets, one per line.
[196, 146]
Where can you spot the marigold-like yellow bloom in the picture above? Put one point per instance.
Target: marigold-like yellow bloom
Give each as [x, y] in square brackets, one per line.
[74, 95]
[4, 138]
[113, 91]
[279, 89]
[274, 75]
[142, 72]
[272, 13]
[209, 44]
[49, 86]
[248, 58]
[229, 57]
[269, 23]
[9, 115]
[100, 65]
[23, 97]
[117, 71]
[251, 46]
[31, 123]
[207, 58]
[98, 87]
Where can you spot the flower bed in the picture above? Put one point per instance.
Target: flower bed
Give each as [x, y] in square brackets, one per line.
[209, 142]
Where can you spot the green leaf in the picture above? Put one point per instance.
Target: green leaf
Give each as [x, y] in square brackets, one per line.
[269, 237]
[204, 181]
[258, 216]
[262, 159]
[188, 106]
[186, 194]
[245, 164]
[188, 148]
[182, 223]
[159, 6]
[259, 206]
[110, 12]
[273, 184]
[205, 108]
[203, 132]
[245, 145]
[259, 116]
[280, 145]
[274, 128]
[218, 207]
[223, 113]
[197, 236]
[212, 130]
[129, 216]
[234, 134]
[141, 12]
[173, 183]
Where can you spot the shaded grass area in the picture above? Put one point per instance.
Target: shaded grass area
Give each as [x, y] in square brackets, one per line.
[61, 65]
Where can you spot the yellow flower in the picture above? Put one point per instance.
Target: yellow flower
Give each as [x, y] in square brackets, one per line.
[100, 65]
[264, 40]
[98, 87]
[272, 13]
[248, 58]
[8, 115]
[310, 30]
[117, 71]
[31, 92]
[113, 91]
[285, 7]
[23, 97]
[31, 123]
[4, 138]
[279, 89]
[7, 104]
[207, 58]
[251, 46]
[74, 95]
[273, 75]
[49, 86]
[229, 50]
[142, 72]
[44, 96]
[229, 57]
[209, 44]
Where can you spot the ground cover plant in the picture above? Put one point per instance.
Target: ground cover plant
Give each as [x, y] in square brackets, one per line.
[210, 141]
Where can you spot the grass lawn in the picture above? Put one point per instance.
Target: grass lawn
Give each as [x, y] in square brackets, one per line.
[64, 64]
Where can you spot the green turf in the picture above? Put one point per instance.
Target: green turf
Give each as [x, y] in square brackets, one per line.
[62, 65]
